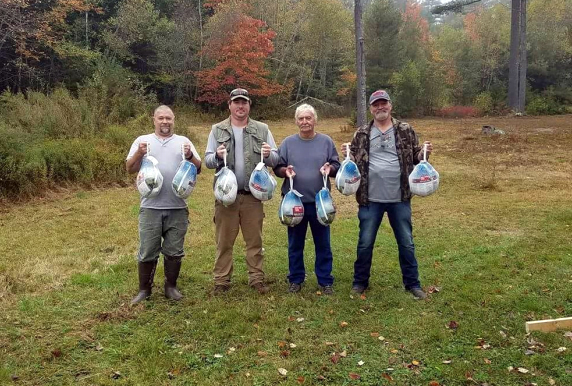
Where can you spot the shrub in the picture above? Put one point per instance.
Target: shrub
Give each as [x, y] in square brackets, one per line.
[543, 105]
[484, 102]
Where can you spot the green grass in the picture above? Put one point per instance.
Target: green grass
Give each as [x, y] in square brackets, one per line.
[500, 257]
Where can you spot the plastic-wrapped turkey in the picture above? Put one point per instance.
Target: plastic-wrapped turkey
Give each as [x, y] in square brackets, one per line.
[348, 177]
[185, 179]
[291, 211]
[262, 184]
[325, 208]
[225, 187]
[149, 179]
[424, 179]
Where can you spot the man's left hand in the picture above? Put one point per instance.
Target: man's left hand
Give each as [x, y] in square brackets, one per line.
[325, 169]
[265, 149]
[187, 150]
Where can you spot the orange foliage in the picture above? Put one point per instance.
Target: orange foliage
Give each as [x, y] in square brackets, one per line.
[239, 53]
[412, 15]
[470, 23]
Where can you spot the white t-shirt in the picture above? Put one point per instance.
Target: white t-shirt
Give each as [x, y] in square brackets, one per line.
[168, 152]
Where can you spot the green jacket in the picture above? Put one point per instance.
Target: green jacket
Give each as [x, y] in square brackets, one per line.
[254, 134]
[408, 149]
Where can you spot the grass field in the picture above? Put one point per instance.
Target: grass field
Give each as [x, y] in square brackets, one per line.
[493, 244]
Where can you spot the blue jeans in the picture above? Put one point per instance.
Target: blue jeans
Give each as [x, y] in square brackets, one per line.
[296, 242]
[370, 216]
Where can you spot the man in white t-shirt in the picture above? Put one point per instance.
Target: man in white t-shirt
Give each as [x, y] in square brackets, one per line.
[163, 219]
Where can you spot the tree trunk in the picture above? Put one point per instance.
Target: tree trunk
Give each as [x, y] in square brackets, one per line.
[518, 62]
[360, 66]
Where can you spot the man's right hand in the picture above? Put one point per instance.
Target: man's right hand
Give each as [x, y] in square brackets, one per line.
[220, 151]
[142, 149]
[290, 171]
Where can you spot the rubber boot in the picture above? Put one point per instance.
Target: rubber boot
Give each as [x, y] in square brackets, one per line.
[146, 274]
[172, 269]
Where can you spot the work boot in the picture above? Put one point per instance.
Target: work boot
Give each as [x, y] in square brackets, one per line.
[146, 273]
[172, 269]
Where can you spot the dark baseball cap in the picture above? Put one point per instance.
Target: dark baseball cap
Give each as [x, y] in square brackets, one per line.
[377, 95]
[239, 93]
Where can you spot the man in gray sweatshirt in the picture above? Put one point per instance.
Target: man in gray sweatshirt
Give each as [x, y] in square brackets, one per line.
[308, 156]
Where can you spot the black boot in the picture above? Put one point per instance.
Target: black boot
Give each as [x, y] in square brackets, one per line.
[146, 274]
[172, 269]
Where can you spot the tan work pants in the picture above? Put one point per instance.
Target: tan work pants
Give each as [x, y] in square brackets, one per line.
[246, 214]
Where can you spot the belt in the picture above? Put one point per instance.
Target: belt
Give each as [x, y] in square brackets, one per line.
[243, 192]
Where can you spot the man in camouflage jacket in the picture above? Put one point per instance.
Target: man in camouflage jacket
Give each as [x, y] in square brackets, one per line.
[386, 150]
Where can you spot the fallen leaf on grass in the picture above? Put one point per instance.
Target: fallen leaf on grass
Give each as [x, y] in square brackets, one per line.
[561, 349]
[319, 293]
[522, 370]
[116, 375]
[291, 318]
[299, 320]
[281, 344]
[329, 343]
[447, 362]
[300, 379]
[381, 338]
[282, 371]
[354, 376]
[387, 376]
[452, 325]
[551, 382]
[56, 353]
[361, 363]
[292, 345]
[218, 355]
[434, 383]
[343, 324]
[568, 334]
[374, 334]
[394, 351]
[487, 361]
[344, 354]
[335, 358]
[433, 289]
[285, 353]
[362, 297]
[415, 363]
[99, 347]
[262, 353]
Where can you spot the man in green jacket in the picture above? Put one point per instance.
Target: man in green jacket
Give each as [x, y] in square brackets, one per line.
[244, 140]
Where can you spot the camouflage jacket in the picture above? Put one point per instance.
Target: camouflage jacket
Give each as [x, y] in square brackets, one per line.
[408, 149]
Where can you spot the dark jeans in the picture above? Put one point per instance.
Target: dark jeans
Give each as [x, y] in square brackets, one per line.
[296, 242]
[370, 217]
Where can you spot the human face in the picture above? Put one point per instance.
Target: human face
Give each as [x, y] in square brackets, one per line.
[306, 122]
[381, 110]
[239, 109]
[164, 122]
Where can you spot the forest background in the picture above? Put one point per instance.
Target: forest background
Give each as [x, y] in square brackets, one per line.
[80, 77]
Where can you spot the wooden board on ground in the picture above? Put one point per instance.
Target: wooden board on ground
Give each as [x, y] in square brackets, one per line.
[549, 325]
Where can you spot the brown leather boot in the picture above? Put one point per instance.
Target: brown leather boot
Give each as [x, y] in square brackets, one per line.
[172, 269]
[146, 274]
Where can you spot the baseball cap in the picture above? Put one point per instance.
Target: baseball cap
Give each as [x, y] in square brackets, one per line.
[377, 95]
[239, 93]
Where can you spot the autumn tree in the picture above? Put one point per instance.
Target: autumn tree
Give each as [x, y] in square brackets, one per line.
[237, 48]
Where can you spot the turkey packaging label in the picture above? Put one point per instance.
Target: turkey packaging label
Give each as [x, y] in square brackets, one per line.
[291, 211]
[149, 179]
[325, 208]
[225, 187]
[262, 184]
[348, 177]
[424, 179]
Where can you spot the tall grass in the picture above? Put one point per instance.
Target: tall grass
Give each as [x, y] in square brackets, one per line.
[63, 138]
